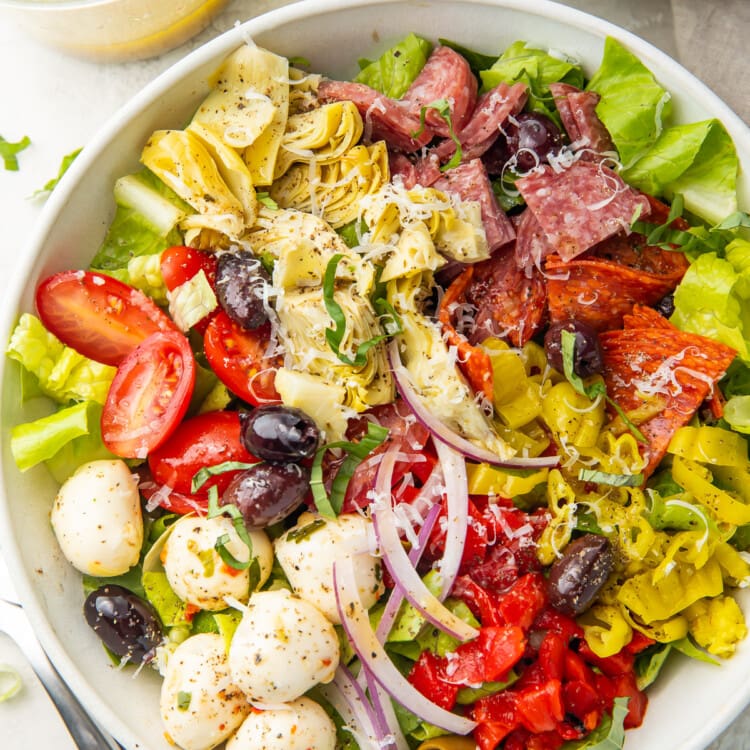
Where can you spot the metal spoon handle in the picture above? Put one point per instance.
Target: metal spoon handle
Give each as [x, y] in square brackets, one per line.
[85, 733]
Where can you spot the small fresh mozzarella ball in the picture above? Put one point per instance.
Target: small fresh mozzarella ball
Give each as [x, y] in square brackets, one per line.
[196, 572]
[97, 518]
[308, 558]
[282, 647]
[200, 707]
[300, 725]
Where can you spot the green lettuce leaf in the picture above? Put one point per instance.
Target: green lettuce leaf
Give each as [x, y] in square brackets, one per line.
[537, 69]
[632, 103]
[699, 162]
[395, 70]
[144, 272]
[63, 374]
[144, 223]
[609, 735]
[478, 61]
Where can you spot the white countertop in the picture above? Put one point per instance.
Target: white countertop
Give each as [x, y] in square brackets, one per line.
[60, 102]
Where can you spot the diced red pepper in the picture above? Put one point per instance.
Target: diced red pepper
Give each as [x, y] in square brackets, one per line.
[624, 686]
[488, 658]
[583, 701]
[551, 656]
[525, 600]
[540, 707]
[425, 676]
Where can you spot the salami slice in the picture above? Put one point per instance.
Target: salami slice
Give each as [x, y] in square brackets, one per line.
[602, 286]
[446, 75]
[510, 304]
[531, 243]
[578, 114]
[470, 183]
[385, 119]
[492, 109]
[423, 171]
[580, 206]
[655, 363]
[473, 361]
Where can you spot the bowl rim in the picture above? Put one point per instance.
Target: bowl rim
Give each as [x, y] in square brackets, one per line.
[122, 118]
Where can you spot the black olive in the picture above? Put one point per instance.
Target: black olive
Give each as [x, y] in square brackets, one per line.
[665, 306]
[241, 281]
[577, 577]
[127, 625]
[587, 351]
[279, 434]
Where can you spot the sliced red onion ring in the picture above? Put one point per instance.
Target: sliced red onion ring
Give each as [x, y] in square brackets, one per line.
[397, 561]
[351, 704]
[356, 624]
[392, 738]
[444, 434]
[457, 506]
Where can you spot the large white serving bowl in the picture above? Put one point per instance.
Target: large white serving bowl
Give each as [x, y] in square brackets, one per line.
[691, 703]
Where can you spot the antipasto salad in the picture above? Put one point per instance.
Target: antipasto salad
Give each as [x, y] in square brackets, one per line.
[408, 411]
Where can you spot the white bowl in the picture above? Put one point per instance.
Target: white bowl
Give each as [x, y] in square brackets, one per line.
[691, 703]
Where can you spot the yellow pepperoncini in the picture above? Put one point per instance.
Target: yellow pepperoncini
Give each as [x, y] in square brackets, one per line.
[619, 454]
[561, 501]
[691, 547]
[696, 479]
[662, 631]
[484, 479]
[717, 625]
[572, 417]
[710, 445]
[605, 628]
[736, 569]
[534, 360]
[684, 584]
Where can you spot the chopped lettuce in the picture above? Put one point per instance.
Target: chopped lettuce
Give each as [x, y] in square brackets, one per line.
[62, 373]
[395, 70]
[144, 223]
[632, 102]
[698, 161]
[478, 61]
[144, 272]
[537, 69]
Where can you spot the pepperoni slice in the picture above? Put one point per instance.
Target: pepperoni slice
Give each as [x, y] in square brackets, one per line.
[654, 360]
[578, 114]
[510, 304]
[385, 119]
[580, 206]
[446, 75]
[471, 183]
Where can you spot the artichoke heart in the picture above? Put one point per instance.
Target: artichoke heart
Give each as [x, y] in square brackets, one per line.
[183, 163]
[413, 253]
[433, 370]
[303, 322]
[303, 91]
[334, 190]
[321, 135]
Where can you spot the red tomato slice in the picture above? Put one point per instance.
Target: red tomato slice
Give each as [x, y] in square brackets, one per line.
[97, 315]
[206, 440]
[149, 395]
[179, 264]
[238, 356]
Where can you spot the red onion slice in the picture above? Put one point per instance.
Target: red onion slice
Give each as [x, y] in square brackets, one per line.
[397, 561]
[392, 738]
[444, 434]
[351, 704]
[356, 624]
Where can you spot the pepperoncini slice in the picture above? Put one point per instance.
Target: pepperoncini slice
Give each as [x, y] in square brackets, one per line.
[572, 417]
[484, 479]
[710, 445]
[662, 599]
[662, 631]
[696, 479]
[717, 625]
[606, 630]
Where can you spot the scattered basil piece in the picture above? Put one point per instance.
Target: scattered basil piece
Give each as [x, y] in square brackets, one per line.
[613, 480]
[183, 700]
[202, 476]
[50, 185]
[330, 507]
[296, 535]
[267, 201]
[214, 509]
[8, 152]
[443, 108]
[298, 60]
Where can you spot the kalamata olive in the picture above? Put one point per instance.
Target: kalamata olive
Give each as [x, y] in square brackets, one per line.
[576, 578]
[278, 433]
[587, 351]
[268, 492]
[240, 285]
[127, 625]
[531, 137]
[665, 306]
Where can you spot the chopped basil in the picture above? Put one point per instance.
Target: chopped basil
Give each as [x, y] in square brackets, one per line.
[330, 507]
[9, 150]
[214, 509]
[443, 108]
[202, 476]
[183, 700]
[267, 201]
[298, 60]
[303, 532]
[613, 480]
[50, 185]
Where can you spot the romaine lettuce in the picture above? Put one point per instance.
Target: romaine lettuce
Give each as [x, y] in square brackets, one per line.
[63, 373]
[632, 103]
[395, 70]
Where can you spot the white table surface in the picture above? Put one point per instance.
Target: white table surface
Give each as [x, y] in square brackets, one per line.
[60, 102]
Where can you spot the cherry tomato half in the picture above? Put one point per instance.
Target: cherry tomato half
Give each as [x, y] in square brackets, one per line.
[206, 440]
[238, 357]
[179, 264]
[149, 395]
[97, 315]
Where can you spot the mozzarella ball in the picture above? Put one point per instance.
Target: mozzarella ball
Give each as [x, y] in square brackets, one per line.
[196, 572]
[200, 707]
[301, 725]
[308, 558]
[282, 647]
[97, 518]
